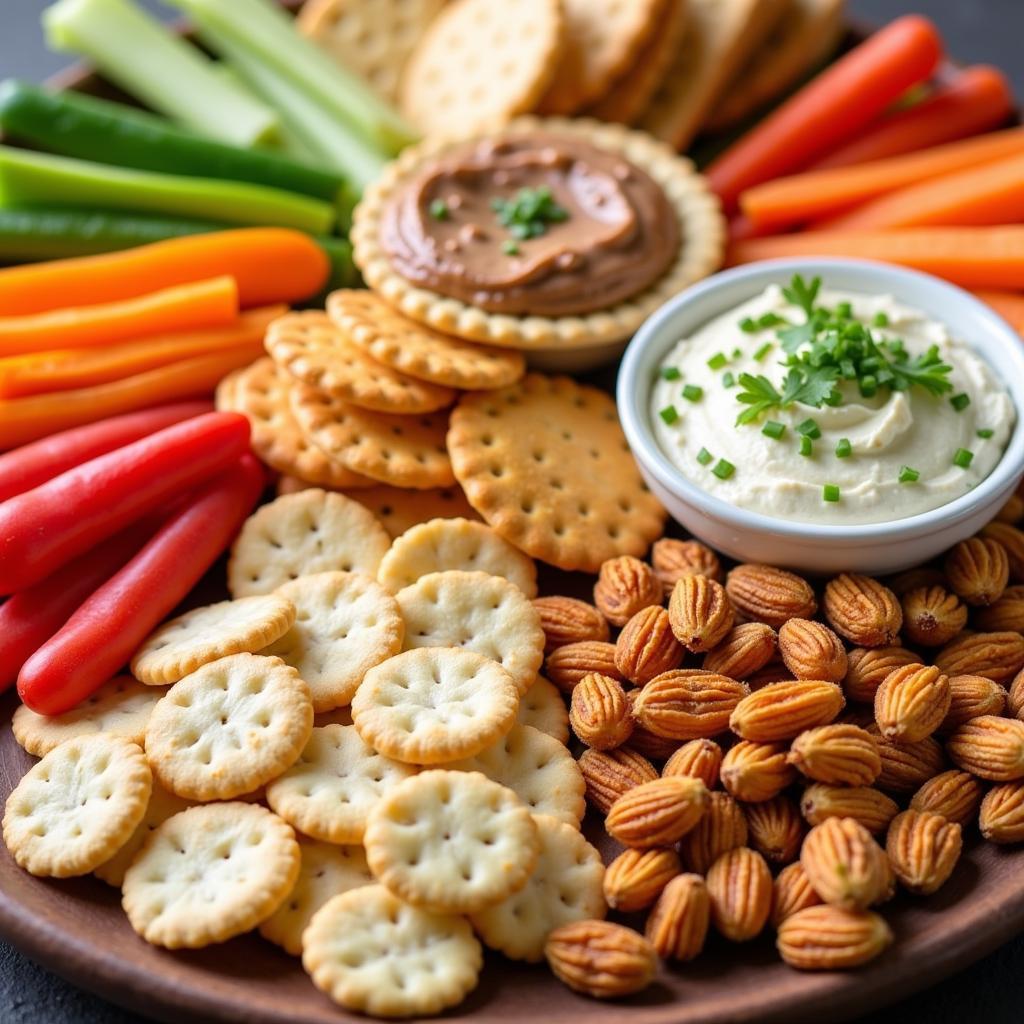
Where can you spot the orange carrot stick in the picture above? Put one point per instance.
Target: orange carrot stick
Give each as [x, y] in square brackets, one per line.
[27, 419]
[184, 307]
[989, 194]
[43, 372]
[971, 257]
[271, 265]
[1009, 305]
[800, 198]
[977, 99]
[832, 108]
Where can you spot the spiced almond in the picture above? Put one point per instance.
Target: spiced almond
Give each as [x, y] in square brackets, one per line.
[991, 748]
[865, 804]
[911, 703]
[971, 697]
[775, 829]
[781, 711]
[837, 754]
[673, 559]
[601, 959]
[867, 667]
[827, 938]
[978, 570]
[678, 924]
[700, 613]
[956, 795]
[769, 595]
[599, 712]
[906, 766]
[565, 620]
[923, 849]
[657, 813]
[609, 774]
[810, 650]
[756, 771]
[932, 616]
[792, 892]
[1011, 538]
[625, 585]
[862, 610]
[1001, 818]
[1007, 614]
[647, 647]
[688, 704]
[567, 665]
[998, 656]
[699, 759]
[744, 650]
[844, 864]
[722, 827]
[635, 879]
[740, 886]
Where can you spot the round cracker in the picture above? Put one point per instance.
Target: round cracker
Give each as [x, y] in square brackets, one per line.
[445, 544]
[481, 63]
[405, 451]
[210, 873]
[229, 728]
[180, 646]
[313, 350]
[702, 229]
[546, 464]
[77, 806]
[329, 791]
[412, 348]
[374, 954]
[566, 885]
[477, 612]
[542, 708]
[451, 842]
[300, 534]
[346, 623]
[434, 705]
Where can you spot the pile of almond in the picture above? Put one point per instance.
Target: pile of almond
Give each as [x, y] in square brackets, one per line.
[818, 749]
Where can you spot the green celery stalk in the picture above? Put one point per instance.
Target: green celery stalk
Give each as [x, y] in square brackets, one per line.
[28, 178]
[262, 30]
[151, 63]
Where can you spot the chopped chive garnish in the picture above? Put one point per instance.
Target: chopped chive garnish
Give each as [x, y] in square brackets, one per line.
[809, 429]
[723, 469]
[693, 393]
[737, 352]
[748, 325]
[880, 320]
[960, 402]
[669, 414]
[704, 456]
[908, 475]
[728, 380]
[806, 445]
[843, 448]
[963, 458]
[670, 373]
[844, 311]
[763, 351]
[717, 361]
[868, 386]
[985, 434]
[830, 492]
[439, 209]
[509, 248]
[774, 429]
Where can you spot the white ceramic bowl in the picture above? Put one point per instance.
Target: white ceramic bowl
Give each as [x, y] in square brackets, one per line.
[751, 536]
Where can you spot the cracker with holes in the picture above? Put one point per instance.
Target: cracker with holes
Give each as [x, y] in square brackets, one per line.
[325, 871]
[179, 647]
[260, 393]
[412, 348]
[329, 791]
[435, 704]
[546, 464]
[346, 623]
[313, 350]
[477, 612]
[566, 885]
[119, 708]
[77, 806]
[537, 768]
[404, 451]
[229, 727]
[302, 534]
[446, 544]
[543, 708]
[374, 954]
[481, 63]
[372, 38]
[451, 842]
[210, 873]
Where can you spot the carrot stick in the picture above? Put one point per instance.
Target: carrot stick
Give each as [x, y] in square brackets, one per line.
[27, 419]
[1009, 305]
[970, 257]
[831, 109]
[977, 99]
[184, 307]
[990, 194]
[803, 197]
[271, 265]
[44, 372]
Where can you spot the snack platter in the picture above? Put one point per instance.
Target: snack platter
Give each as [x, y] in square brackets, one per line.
[612, 819]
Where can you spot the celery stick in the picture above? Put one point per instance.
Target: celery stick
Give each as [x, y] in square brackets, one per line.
[37, 179]
[265, 32]
[147, 60]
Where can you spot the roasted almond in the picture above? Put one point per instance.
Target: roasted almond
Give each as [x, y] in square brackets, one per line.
[1015, 696]
[844, 864]
[955, 795]
[674, 559]
[1007, 614]
[568, 621]
[774, 672]
[599, 712]
[781, 711]
[678, 924]
[914, 579]
[862, 610]
[1012, 541]
[911, 703]
[907, 766]
[1001, 818]
[871, 807]
[868, 666]
[657, 813]
[997, 656]
[753, 772]
[1012, 512]
[978, 570]
[601, 959]
[643, 741]
[932, 616]
[792, 892]
[775, 829]
[699, 759]
[688, 704]
[740, 886]
[811, 650]
[723, 827]
[769, 595]
[610, 774]
[634, 880]
[837, 754]
[828, 938]
[700, 613]
[989, 747]
[625, 585]
[647, 646]
[971, 697]
[744, 650]
[923, 849]
[567, 665]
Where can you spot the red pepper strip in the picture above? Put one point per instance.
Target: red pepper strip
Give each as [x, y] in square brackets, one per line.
[31, 617]
[33, 464]
[46, 527]
[100, 638]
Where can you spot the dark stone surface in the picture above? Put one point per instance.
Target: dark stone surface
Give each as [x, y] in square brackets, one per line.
[987, 31]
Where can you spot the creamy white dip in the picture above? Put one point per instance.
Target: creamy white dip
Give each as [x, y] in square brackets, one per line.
[887, 433]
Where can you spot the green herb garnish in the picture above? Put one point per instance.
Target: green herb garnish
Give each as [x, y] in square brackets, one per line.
[704, 456]
[529, 213]
[908, 475]
[774, 430]
[806, 445]
[830, 492]
[880, 319]
[439, 209]
[763, 351]
[693, 393]
[960, 402]
[963, 457]
[510, 248]
[670, 373]
[723, 469]
[728, 380]
[985, 433]
[717, 361]
[669, 414]
[843, 448]
[810, 429]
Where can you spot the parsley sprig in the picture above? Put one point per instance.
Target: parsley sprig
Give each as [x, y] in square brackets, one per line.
[529, 212]
[830, 346]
